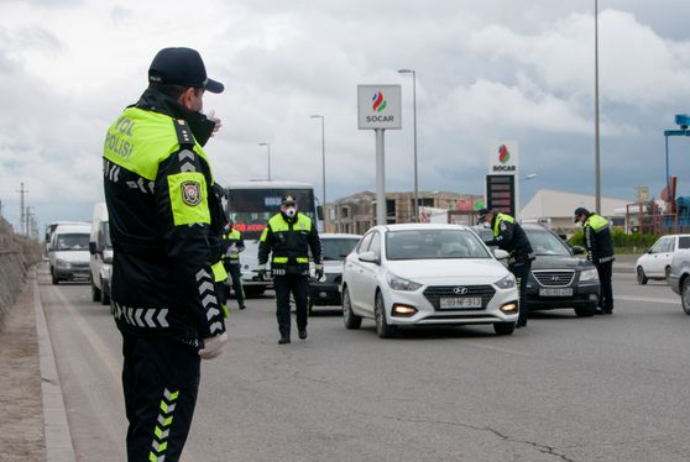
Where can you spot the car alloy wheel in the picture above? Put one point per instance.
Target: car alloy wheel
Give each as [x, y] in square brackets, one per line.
[351, 320]
[383, 329]
[685, 297]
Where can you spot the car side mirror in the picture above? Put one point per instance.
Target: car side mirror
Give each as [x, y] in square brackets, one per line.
[501, 254]
[319, 212]
[578, 250]
[369, 257]
[93, 250]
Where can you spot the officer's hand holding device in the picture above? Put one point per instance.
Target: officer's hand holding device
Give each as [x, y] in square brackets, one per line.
[318, 271]
[261, 271]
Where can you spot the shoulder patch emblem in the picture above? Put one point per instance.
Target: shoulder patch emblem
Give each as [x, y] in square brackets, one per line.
[503, 226]
[191, 193]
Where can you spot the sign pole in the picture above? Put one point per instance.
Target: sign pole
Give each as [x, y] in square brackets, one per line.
[381, 211]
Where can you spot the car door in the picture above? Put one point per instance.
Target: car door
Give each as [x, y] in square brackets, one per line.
[654, 266]
[353, 275]
[666, 255]
[370, 275]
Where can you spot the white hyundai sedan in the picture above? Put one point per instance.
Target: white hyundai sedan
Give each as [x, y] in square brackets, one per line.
[427, 274]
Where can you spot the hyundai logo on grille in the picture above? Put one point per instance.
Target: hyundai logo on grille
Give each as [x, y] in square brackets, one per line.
[460, 290]
[554, 278]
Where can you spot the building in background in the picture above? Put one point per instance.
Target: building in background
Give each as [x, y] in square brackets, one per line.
[355, 214]
[556, 208]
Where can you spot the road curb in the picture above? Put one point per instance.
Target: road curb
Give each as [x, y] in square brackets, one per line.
[59, 445]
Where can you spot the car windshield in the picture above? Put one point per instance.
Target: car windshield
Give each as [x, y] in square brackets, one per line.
[423, 244]
[72, 242]
[546, 243]
[337, 248]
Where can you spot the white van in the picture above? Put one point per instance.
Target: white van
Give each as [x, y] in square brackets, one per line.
[101, 249]
[69, 252]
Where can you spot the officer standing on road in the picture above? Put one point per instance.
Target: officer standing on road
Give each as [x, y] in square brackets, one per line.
[233, 245]
[599, 246]
[509, 236]
[289, 236]
[166, 239]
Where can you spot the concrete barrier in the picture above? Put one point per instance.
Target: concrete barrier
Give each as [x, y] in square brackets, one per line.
[17, 255]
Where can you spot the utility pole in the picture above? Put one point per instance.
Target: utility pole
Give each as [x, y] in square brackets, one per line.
[597, 141]
[28, 216]
[22, 210]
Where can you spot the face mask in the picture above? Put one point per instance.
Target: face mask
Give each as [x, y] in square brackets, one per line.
[290, 212]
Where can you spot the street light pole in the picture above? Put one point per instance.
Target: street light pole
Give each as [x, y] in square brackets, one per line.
[414, 122]
[323, 164]
[268, 145]
[597, 153]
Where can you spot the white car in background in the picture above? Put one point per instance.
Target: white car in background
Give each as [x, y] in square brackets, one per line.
[656, 263]
[425, 275]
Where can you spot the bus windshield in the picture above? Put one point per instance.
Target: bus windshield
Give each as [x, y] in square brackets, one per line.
[251, 207]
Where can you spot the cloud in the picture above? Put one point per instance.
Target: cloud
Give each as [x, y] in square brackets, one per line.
[637, 66]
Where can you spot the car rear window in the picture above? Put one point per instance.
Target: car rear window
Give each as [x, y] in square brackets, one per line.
[684, 242]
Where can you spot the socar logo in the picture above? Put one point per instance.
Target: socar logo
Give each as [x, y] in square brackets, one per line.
[379, 102]
[503, 154]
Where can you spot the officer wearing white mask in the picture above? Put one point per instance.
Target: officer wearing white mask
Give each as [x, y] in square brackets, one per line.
[288, 237]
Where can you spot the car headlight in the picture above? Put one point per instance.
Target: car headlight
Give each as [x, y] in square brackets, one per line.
[589, 275]
[62, 264]
[398, 283]
[507, 282]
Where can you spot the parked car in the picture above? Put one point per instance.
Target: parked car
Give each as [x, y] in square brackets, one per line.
[427, 274]
[679, 278]
[101, 250]
[334, 249]
[69, 252]
[559, 278]
[656, 262]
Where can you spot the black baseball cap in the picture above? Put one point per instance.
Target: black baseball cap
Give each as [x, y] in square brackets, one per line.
[288, 200]
[182, 66]
[482, 213]
[580, 211]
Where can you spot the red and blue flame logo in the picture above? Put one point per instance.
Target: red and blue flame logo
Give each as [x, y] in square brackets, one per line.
[379, 102]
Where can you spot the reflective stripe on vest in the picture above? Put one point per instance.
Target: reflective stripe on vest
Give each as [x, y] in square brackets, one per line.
[500, 218]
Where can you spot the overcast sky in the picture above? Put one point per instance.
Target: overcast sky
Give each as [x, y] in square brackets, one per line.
[503, 69]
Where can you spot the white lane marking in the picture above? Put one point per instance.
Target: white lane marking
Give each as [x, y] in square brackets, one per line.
[646, 299]
[499, 349]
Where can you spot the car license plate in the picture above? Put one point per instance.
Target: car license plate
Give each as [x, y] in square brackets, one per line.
[555, 292]
[461, 303]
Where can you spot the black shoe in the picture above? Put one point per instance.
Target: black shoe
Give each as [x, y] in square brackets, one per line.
[608, 312]
[242, 307]
[303, 333]
[284, 340]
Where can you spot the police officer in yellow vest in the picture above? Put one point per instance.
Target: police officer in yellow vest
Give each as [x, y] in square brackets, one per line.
[165, 228]
[509, 236]
[232, 245]
[288, 237]
[599, 244]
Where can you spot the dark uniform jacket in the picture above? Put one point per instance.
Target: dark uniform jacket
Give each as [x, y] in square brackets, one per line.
[164, 224]
[598, 239]
[289, 240]
[509, 236]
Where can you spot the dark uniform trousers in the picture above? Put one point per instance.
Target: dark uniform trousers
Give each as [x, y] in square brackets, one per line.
[161, 380]
[605, 271]
[234, 270]
[521, 272]
[298, 285]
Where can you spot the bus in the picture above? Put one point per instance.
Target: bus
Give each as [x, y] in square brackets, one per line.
[250, 204]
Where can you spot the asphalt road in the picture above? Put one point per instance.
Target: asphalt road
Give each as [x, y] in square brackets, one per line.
[608, 388]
